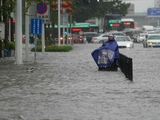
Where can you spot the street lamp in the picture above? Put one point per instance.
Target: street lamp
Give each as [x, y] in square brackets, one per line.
[18, 37]
[59, 30]
[62, 6]
[64, 16]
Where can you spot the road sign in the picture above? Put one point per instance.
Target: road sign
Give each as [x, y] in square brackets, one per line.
[41, 8]
[153, 12]
[36, 26]
[43, 12]
[64, 19]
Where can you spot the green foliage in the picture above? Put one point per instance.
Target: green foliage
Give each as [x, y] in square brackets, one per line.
[29, 3]
[47, 42]
[39, 42]
[99, 9]
[11, 46]
[7, 7]
[3, 45]
[53, 49]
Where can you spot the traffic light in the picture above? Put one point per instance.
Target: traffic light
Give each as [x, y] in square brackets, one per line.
[114, 25]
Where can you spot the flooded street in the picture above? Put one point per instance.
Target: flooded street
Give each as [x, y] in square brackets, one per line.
[68, 86]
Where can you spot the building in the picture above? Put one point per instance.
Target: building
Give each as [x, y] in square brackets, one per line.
[131, 9]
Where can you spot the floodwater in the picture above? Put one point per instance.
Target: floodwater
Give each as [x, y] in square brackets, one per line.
[68, 86]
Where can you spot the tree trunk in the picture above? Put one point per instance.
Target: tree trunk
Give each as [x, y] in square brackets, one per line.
[5, 20]
[12, 30]
[0, 48]
[0, 40]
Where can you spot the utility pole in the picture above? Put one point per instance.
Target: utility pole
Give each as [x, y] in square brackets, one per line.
[27, 34]
[59, 19]
[18, 35]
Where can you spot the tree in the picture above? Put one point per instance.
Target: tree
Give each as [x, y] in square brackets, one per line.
[99, 9]
[6, 8]
[82, 11]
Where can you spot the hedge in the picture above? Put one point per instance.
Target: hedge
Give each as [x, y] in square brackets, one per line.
[11, 45]
[53, 49]
[47, 42]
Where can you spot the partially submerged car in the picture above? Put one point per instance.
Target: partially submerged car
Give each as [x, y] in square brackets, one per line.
[152, 40]
[124, 42]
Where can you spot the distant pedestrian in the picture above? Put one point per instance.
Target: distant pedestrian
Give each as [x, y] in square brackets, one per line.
[31, 39]
[84, 39]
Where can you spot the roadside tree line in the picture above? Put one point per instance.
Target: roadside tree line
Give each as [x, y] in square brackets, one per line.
[82, 12]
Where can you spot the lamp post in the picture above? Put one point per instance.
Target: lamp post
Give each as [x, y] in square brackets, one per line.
[18, 37]
[63, 20]
[61, 6]
[58, 6]
[64, 16]
[69, 11]
[59, 19]
[71, 27]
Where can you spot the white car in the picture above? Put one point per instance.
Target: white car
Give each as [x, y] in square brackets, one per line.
[124, 42]
[141, 37]
[152, 40]
[100, 38]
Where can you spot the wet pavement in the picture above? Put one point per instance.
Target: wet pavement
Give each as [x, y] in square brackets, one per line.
[68, 86]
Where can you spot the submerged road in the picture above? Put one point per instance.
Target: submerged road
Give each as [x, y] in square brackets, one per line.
[68, 86]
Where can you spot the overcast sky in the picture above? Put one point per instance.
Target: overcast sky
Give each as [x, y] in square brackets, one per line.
[142, 5]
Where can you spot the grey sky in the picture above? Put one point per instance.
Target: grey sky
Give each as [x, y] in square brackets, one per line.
[142, 5]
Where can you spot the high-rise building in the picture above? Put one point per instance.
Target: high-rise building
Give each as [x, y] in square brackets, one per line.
[131, 9]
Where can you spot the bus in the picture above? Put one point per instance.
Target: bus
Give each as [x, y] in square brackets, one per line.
[127, 23]
[112, 22]
[83, 26]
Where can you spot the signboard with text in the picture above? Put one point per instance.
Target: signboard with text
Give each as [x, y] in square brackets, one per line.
[153, 12]
[36, 26]
[64, 19]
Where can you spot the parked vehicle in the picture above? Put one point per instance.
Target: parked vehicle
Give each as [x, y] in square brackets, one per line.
[157, 29]
[100, 38]
[124, 42]
[152, 32]
[90, 35]
[152, 40]
[71, 37]
[112, 22]
[133, 33]
[141, 37]
[74, 38]
[147, 28]
[127, 23]
[117, 33]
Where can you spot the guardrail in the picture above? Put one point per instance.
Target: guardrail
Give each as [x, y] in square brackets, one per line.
[125, 64]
